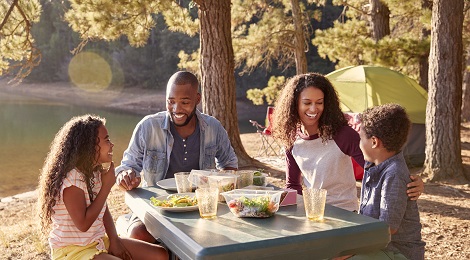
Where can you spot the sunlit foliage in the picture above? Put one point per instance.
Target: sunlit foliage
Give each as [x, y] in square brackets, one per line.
[349, 42]
[18, 53]
[109, 19]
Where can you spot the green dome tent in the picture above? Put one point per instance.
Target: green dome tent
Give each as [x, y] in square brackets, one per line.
[360, 87]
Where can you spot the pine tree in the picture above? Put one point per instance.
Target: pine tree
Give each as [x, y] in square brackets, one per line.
[443, 158]
[362, 36]
[18, 52]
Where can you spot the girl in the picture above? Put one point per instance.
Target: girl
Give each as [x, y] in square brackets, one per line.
[319, 144]
[72, 196]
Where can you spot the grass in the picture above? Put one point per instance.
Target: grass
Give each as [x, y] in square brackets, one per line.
[20, 237]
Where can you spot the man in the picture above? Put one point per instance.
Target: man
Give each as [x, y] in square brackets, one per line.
[176, 140]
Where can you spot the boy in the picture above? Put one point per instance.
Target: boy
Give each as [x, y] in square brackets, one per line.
[383, 133]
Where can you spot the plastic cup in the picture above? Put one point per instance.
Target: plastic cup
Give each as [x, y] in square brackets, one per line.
[182, 182]
[207, 199]
[314, 201]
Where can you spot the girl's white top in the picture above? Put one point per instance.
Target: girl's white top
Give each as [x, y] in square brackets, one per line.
[64, 232]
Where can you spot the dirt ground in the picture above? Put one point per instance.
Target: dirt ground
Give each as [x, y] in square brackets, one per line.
[444, 207]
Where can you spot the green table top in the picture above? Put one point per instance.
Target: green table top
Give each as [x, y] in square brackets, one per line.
[286, 234]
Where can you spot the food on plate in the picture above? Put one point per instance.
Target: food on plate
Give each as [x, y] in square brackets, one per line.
[175, 201]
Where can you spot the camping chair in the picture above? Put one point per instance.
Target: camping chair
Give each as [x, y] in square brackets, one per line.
[269, 146]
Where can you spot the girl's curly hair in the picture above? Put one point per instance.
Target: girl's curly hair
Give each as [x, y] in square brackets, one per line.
[74, 146]
[286, 115]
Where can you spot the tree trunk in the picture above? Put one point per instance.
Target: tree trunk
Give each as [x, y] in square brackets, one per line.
[466, 89]
[299, 41]
[424, 71]
[443, 151]
[424, 60]
[380, 20]
[218, 71]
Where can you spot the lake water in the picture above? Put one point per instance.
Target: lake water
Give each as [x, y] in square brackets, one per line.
[27, 127]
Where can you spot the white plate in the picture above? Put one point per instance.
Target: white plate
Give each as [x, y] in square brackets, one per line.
[176, 209]
[169, 184]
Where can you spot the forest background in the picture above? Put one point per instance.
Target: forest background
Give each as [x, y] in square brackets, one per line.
[150, 65]
[422, 39]
[337, 34]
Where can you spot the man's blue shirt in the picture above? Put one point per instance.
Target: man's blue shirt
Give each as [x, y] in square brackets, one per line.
[151, 144]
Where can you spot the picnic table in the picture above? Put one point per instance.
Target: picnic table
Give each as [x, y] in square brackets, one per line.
[286, 234]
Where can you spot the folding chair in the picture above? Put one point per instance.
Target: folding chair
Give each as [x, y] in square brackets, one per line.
[269, 146]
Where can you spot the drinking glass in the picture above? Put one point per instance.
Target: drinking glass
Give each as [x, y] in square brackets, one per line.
[182, 182]
[314, 201]
[207, 199]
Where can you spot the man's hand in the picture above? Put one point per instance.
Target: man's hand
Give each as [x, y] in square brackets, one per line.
[127, 180]
[415, 188]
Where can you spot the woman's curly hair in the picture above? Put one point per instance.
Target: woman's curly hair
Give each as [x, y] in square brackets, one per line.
[389, 123]
[74, 146]
[286, 115]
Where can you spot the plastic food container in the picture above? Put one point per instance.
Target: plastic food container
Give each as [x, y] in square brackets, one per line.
[259, 178]
[253, 203]
[244, 178]
[224, 181]
[200, 178]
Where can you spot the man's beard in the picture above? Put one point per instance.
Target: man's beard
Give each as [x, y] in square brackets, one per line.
[190, 116]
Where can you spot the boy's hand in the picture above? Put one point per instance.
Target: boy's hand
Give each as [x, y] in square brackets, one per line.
[415, 188]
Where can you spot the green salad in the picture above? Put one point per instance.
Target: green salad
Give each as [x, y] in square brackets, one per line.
[257, 207]
[258, 178]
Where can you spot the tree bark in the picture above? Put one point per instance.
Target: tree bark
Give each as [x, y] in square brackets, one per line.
[424, 60]
[443, 148]
[380, 20]
[424, 71]
[466, 88]
[299, 41]
[217, 70]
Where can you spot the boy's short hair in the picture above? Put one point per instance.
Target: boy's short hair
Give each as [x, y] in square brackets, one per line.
[389, 123]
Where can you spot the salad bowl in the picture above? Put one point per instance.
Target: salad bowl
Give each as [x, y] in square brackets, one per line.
[253, 203]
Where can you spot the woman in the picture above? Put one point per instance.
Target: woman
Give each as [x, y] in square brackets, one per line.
[319, 144]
